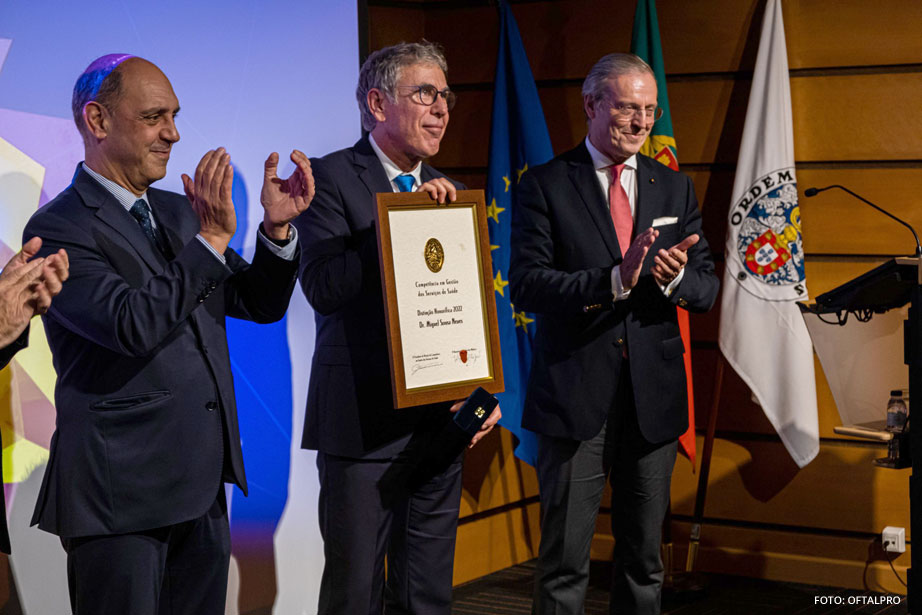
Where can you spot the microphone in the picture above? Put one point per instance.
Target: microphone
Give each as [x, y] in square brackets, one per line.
[814, 191]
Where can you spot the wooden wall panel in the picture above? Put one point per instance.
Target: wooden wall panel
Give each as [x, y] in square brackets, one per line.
[493, 477]
[496, 541]
[856, 69]
[837, 561]
[563, 39]
[837, 223]
[388, 25]
[737, 414]
[747, 484]
[722, 35]
[826, 110]
[465, 44]
[852, 32]
[858, 117]
[829, 124]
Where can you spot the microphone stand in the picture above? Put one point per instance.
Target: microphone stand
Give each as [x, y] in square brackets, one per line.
[809, 192]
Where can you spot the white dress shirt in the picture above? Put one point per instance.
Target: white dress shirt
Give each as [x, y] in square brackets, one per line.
[392, 170]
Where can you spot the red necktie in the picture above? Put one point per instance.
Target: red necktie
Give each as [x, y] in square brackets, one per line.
[620, 209]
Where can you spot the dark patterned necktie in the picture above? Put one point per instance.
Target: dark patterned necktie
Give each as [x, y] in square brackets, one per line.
[405, 182]
[140, 211]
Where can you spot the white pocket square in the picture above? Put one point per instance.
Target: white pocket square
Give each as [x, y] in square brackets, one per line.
[664, 221]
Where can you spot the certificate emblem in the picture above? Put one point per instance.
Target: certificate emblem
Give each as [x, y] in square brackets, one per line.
[434, 255]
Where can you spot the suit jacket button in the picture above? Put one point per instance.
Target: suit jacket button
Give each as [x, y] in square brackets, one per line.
[683, 303]
[619, 341]
[211, 406]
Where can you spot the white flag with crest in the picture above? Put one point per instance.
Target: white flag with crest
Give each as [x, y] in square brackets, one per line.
[762, 333]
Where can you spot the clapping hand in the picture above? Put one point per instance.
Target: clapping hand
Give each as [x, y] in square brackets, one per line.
[667, 264]
[633, 259]
[210, 196]
[284, 199]
[27, 286]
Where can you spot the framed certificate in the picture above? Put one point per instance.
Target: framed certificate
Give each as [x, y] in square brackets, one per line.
[437, 278]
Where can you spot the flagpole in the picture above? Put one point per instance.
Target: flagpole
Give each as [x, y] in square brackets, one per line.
[706, 454]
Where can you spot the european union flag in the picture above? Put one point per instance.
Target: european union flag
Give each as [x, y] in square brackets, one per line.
[518, 140]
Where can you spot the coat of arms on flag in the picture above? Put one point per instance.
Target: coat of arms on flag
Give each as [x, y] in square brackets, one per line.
[766, 222]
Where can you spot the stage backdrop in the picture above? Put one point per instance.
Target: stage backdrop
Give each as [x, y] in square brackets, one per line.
[254, 77]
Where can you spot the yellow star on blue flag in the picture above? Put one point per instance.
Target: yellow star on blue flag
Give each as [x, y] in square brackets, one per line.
[499, 284]
[522, 319]
[493, 211]
[518, 139]
[519, 173]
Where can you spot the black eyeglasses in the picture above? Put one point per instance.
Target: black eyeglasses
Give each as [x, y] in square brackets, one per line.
[427, 94]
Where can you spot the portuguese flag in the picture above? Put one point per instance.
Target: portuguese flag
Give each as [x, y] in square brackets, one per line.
[660, 145]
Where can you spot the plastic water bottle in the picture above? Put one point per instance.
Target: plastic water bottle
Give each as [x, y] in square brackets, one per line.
[896, 411]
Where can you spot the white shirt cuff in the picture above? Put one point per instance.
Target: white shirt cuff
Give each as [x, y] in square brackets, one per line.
[286, 252]
[618, 292]
[211, 249]
[667, 290]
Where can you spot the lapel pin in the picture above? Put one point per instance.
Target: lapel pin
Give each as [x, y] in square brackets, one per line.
[652, 180]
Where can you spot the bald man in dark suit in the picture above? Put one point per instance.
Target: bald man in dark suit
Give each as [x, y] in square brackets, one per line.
[146, 433]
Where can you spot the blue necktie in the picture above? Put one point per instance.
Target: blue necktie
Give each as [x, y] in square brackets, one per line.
[140, 211]
[405, 182]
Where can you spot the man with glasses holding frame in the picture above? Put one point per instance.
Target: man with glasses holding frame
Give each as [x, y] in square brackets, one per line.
[606, 243]
[360, 438]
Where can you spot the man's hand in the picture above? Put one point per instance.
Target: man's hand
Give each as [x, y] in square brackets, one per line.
[634, 257]
[284, 199]
[668, 264]
[210, 196]
[55, 271]
[27, 288]
[488, 424]
[439, 189]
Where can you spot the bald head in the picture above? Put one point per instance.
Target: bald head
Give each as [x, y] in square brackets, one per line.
[128, 127]
[100, 82]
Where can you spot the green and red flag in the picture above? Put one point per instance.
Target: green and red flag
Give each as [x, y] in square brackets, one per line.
[661, 146]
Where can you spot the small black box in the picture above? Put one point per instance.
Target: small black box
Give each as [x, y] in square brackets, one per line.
[476, 409]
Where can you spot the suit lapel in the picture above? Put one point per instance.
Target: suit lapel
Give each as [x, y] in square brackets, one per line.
[649, 199]
[111, 213]
[582, 176]
[169, 222]
[177, 234]
[426, 173]
[369, 168]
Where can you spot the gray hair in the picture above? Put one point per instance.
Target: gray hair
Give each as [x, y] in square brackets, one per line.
[611, 66]
[381, 70]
